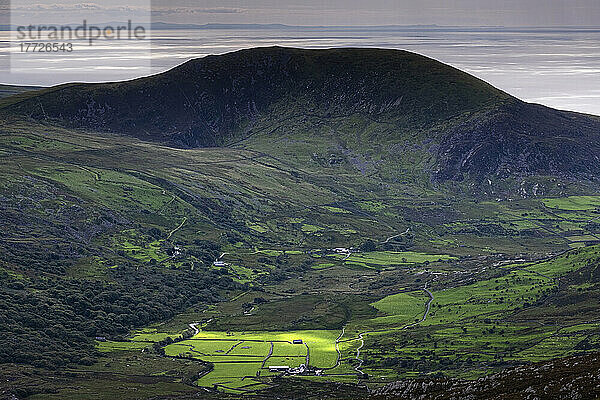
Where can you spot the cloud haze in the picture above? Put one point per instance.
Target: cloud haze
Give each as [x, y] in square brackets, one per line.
[339, 12]
[383, 12]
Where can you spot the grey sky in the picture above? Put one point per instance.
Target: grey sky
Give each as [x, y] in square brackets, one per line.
[334, 12]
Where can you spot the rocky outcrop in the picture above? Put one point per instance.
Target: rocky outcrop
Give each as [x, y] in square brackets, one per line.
[567, 378]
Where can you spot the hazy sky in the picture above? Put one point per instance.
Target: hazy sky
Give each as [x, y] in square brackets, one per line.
[331, 12]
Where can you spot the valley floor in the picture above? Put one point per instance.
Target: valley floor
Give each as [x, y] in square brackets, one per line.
[456, 330]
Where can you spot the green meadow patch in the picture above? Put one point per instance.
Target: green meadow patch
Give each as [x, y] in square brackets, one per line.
[110, 188]
[140, 247]
[336, 210]
[322, 266]
[381, 259]
[110, 346]
[574, 203]
[567, 262]
[260, 228]
[401, 307]
[308, 228]
[371, 205]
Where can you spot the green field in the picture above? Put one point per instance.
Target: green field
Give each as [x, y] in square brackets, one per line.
[242, 358]
[387, 259]
[401, 308]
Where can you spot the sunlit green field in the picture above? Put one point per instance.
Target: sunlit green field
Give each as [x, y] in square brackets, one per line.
[243, 357]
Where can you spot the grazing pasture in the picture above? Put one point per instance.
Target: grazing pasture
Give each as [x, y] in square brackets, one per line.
[242, 359]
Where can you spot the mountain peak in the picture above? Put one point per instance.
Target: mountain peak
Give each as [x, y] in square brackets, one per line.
[201, 102]
[211, 101]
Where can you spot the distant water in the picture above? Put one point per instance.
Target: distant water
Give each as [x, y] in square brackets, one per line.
[558, 68]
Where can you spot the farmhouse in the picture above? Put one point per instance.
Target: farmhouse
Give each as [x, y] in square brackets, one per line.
[219, 264]
[298, 371]
[278, 368]
[176, 251]
[297, 341]
[341, 250]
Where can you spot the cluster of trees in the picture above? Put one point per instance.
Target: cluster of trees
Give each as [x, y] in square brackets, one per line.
[285, 269]
[426, 363]
[53, 259]
[50, 321]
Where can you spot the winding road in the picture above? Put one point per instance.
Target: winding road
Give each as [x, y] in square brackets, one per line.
[178, 228]
[268, 355]
[337, 347]
[194, 326]
[395, 236]
[307, 363]
[427, 307]
[358, 368]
